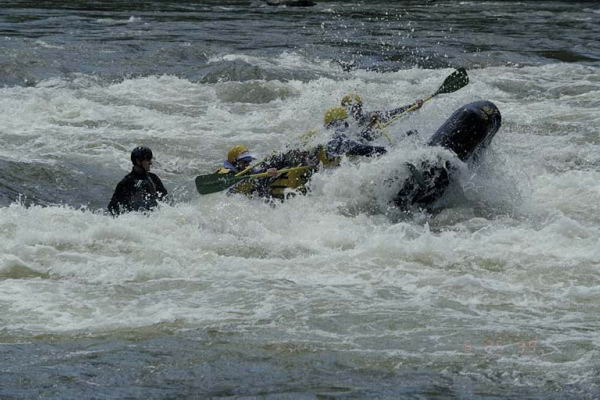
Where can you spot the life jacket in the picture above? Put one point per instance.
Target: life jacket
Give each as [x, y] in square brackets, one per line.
[244, 187]
[293, 180]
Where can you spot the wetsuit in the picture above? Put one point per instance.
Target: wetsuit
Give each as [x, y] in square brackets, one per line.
[467, 132]
[341, 144]
[138, 191]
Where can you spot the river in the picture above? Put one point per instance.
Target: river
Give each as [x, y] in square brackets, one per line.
[333, 295]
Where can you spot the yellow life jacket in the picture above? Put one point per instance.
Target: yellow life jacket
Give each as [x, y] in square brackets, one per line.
[294, 180]
[286, 184]
[297, 179]
[243, 187]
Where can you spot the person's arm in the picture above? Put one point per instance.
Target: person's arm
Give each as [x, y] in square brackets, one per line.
[120, 199]
[341, 145]
[160, 188]
[384, 116]
[366, 150]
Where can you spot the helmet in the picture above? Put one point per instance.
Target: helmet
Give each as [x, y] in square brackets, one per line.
[335, 114]
[237, 153]
[351, 99]
[141, 153]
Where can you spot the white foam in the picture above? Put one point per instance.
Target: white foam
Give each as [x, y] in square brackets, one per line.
[518, 244]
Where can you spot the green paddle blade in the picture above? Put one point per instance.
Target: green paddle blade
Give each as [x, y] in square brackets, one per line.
[212, 183]
[456, 80]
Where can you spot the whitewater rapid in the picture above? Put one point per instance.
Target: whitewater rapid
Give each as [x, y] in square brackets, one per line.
[504, 278]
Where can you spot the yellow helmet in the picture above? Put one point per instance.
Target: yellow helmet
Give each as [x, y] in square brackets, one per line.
[351, 99]
[335, 114]
[235, 152]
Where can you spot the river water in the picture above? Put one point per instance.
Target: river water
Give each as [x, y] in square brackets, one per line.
[333, 295]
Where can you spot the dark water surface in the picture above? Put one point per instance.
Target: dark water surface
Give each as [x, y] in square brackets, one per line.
[118, 39]
[227, 365]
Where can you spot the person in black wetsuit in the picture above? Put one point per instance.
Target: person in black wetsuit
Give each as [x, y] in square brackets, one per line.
[140, 190]
[467, 133]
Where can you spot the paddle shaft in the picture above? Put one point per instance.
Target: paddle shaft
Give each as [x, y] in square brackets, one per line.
[279, 172]
[455, 81]
[412, 108]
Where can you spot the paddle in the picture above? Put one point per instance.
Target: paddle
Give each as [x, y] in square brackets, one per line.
[248, 168]
[213, 183]
[455, 81]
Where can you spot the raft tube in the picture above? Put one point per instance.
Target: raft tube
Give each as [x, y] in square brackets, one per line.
[467, 133]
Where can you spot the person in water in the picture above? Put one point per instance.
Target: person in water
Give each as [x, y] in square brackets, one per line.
[140, 190]
[239, 162]
[281, 186]
[467, 133]
[369, 119]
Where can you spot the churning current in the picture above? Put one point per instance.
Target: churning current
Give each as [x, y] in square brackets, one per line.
[332, 295]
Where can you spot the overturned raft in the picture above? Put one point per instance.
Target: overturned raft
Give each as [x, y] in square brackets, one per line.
[467, 132]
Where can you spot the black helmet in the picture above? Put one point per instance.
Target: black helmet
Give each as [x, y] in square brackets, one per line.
[141, 153]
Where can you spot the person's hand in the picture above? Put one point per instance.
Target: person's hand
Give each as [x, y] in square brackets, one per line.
[272, 172]
[418, 104]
